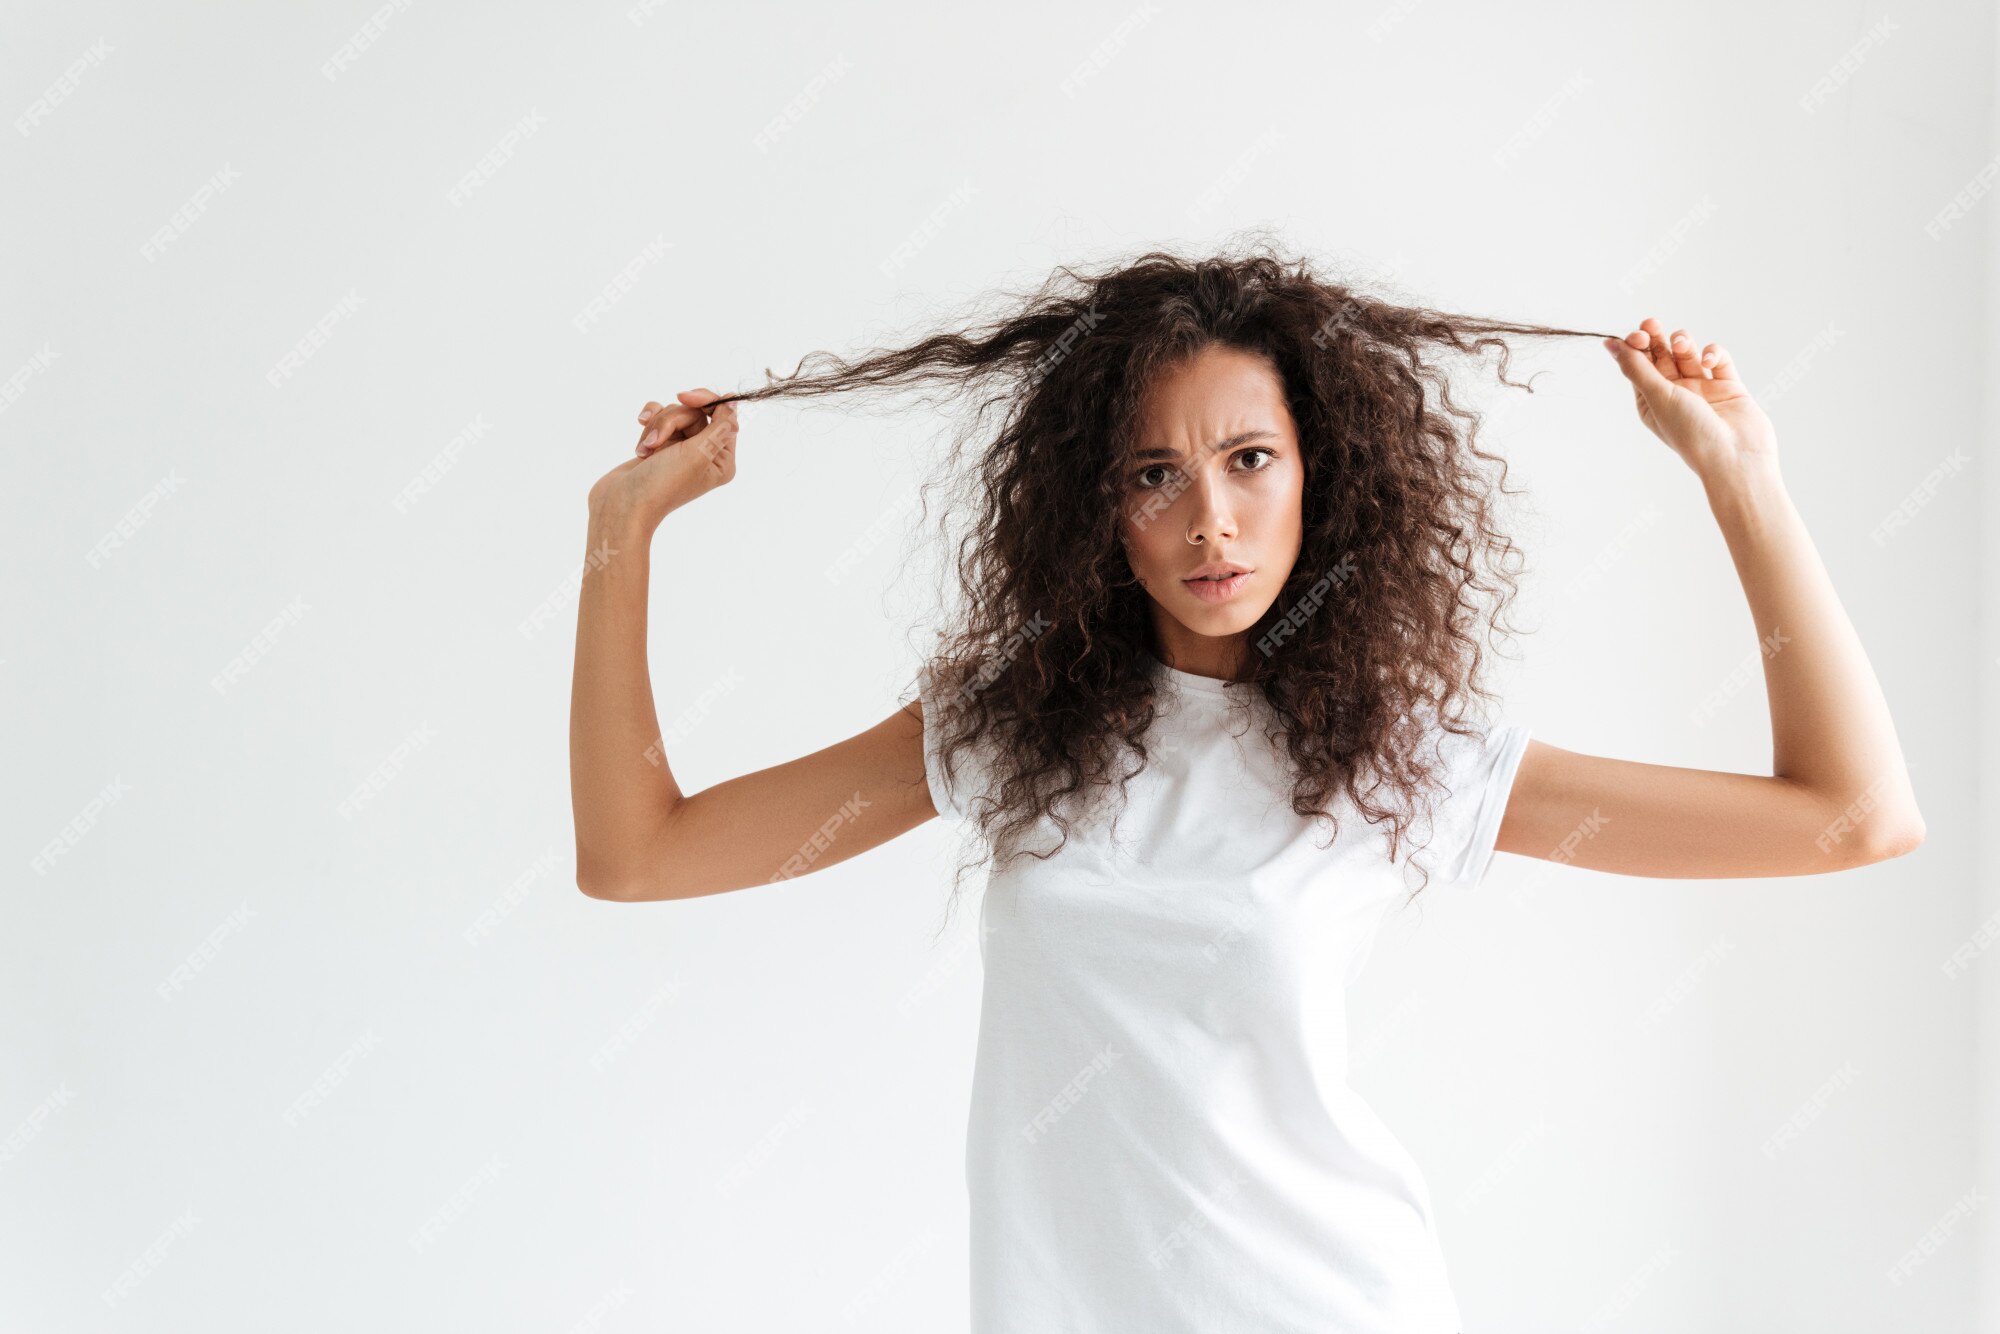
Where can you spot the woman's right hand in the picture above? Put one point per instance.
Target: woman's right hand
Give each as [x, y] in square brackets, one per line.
[684, 451]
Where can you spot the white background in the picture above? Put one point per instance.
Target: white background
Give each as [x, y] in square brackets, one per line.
[536, 1111]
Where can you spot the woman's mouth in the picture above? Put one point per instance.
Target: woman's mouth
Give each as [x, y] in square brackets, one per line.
[1217, 590]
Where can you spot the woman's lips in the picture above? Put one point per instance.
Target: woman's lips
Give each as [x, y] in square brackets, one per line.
[1217, 590]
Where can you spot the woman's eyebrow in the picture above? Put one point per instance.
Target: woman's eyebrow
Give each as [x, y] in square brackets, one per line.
[1160, 452]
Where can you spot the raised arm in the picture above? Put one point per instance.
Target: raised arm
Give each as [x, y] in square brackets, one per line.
[638, 837]
[1838, 794]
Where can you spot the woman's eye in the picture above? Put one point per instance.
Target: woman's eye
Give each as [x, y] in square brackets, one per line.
[1139, 477]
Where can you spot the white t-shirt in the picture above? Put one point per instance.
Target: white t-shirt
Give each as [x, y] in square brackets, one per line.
[1162, 1139]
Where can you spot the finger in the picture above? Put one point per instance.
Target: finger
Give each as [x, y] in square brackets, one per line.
[698, 398]
[1686, 358]
[712, 433]
[668, 425]
[658, 425]
[1720, 364]
[1656, 348]
[652, 406]
[1638, 363]
[720, 434]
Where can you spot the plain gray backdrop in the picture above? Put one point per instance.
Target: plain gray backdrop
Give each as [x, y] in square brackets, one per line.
[318, 327]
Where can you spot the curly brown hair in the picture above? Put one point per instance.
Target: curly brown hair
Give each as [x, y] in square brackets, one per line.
[1046, 666]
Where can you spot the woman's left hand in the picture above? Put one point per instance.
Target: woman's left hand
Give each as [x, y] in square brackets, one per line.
[1693, 401]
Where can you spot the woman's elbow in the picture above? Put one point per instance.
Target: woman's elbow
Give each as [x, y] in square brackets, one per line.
[601, 879]
[1889, 838]
[1908, 837]
[596, 887]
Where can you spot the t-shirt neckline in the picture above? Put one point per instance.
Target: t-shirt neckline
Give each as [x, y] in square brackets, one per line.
[1201, 685]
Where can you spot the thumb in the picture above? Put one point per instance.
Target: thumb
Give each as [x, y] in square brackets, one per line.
[1638, 367]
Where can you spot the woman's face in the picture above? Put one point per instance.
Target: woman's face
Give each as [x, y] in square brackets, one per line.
[1217, 477]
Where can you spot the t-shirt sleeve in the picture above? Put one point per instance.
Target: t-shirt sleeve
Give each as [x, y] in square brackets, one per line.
[952, 799]
[1479, 776]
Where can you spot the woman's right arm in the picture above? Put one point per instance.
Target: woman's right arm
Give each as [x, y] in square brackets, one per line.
[638, 837]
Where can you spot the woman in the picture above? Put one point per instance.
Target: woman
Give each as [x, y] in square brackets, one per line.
[1223, 596]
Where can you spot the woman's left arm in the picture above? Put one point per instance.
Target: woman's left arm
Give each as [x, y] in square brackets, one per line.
[1838, 794]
